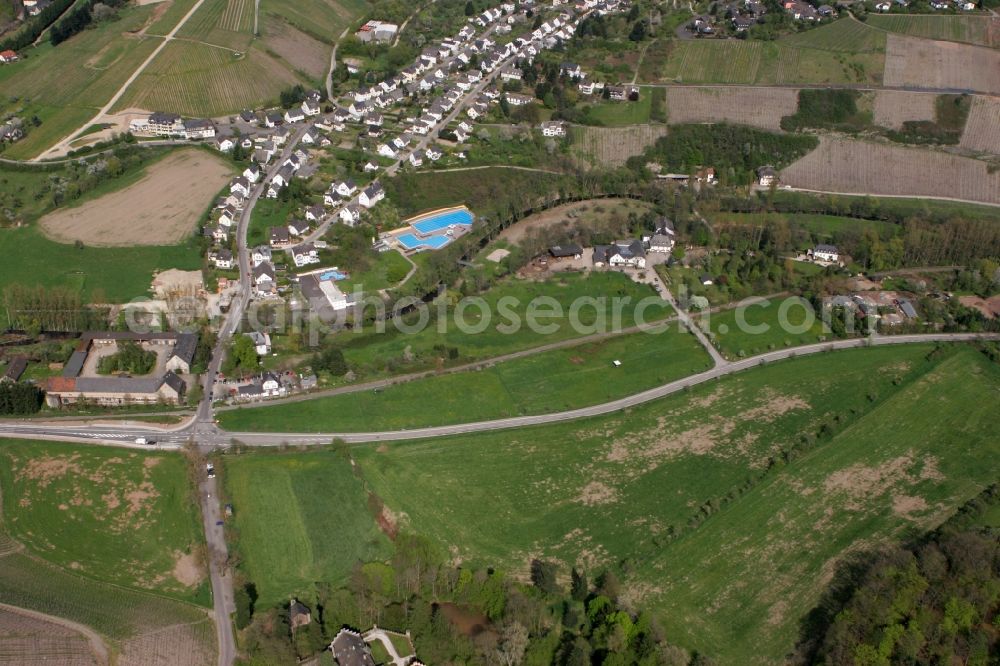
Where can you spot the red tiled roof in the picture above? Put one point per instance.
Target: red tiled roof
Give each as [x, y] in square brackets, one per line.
[61, 384]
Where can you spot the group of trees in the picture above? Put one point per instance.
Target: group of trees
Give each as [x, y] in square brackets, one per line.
[90, 11]
[130, 358]
[242, 356]
[36, 308]
[935, 602]
[18, 398]
[469, 615]
[735, 151]
[35, 26]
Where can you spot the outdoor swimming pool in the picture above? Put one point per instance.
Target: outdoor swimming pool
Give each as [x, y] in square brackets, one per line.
[411, 242]
[429, 225]
[333, 275]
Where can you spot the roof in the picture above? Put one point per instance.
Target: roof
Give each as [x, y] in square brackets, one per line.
[350, 649]
[16, 368]
[568, 250]
[661, 239]
[174, 382]
[824, 247]
[629, 248]
[908, 309]
[187, 343]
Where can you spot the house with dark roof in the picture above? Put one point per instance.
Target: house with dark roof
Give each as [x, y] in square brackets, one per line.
[350, 649]
[622, 253]
[566, 250]
[15, 368]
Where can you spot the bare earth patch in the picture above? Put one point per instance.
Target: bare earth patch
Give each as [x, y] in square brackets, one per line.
[595, 493]
[925, 63]
[905, 506]
[982, 129]
[894, 107]
[855, 166]
[757, 107]
[159, 209]
[186, 569]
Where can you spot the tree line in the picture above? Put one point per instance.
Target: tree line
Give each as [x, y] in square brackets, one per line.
[81, 17]
[34, 27]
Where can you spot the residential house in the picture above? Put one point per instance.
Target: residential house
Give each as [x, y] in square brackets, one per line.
[310, 108]
[825, 252]
[434, 153]
[553, 128]
[261, 341]
[224, 143]
[199, 128]
[417, 158]
[350, 649]
[566, 251]
[253, 173]
[260, 254]
[371, 195]
[223, 259]
[517, 99]
[305, 254]
[279, 237]
[315, 213]
[7, 56]
[350, 215]
[298, 227]
[347, 188]
[294, 116]
[264, 279]
[623, 253]
[767, 176]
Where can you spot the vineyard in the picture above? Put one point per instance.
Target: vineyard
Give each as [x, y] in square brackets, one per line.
[226, 24]
[199, 80]
[119, 614]
[922, 63]
[786, 64]
[845, 35]
[65, 86]
[322, 19]
[612, 146]
[706, 61]
[303, 52]
[29, 641]
[845, 165]
[981, 30]
[893, 108]
[758, 107]
[982, 129]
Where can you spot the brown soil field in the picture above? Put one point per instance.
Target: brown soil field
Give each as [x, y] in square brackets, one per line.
[925, 63]
[758, 107]
[580, 212]
[982, 129]
[894, 107]
[176, 645]
[612, 146]
[31, 641]
[159, 209]
[301, 51]
[846, 165]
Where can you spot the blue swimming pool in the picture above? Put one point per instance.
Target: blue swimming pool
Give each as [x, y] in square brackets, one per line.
[443, 221]
[411, 242]
[333, 275]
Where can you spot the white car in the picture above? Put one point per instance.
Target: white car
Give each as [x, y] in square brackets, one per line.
[210, 468]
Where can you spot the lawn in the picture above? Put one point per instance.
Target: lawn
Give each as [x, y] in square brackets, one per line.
[104, 274]
[299, 519]
[740, 331]
[114, 516]
[387, 269]
[546, 382]
[416, 192]
[267, 213]
[622, 114]
[684, 496]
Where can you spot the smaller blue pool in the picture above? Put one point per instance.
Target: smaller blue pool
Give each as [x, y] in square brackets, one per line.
[443, 221]
[411, 242]
[333, 275]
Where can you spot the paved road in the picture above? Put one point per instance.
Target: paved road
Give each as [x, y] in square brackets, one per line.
[64, 145]
[222, 586]
[215, 437]
[333, 64]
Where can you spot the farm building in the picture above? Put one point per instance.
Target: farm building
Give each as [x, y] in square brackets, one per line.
[630, 253]
[80, 379]
[566, 251]
[377, 31]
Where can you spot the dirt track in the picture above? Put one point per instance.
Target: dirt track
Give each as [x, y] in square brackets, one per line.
[159, 209]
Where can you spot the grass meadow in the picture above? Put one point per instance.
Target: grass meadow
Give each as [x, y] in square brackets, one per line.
[115, 516]
[844, 51]
[726, 328]
[485, 335]
[546, 382]
[299, 519]
[690, 498]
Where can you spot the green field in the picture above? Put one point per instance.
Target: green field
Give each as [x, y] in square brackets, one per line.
[894, 443]
[114, 516]
[65, 86]
[968, 29]
[491, 334]
[31, 258]
[735, 342]
[387, 269]
[845, 51]
[322, 19]
[546, 382]
[622, 114]
[299, 519]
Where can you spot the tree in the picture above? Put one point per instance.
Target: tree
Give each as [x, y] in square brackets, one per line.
[243, 353]
[543, 576]
[470, 9]
[578, 585]
[331, 360]
[512, 644]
